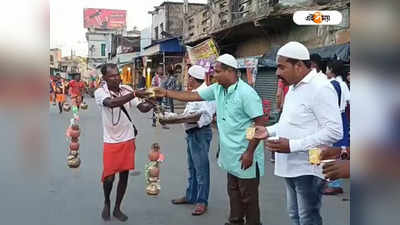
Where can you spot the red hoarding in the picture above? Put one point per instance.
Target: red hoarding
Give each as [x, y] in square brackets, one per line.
[104, 18]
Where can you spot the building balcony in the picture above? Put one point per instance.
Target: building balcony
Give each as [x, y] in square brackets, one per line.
[221, 15]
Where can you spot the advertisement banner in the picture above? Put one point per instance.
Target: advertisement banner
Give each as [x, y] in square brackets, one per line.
[251, 64]
[104, 18]
[204, 54]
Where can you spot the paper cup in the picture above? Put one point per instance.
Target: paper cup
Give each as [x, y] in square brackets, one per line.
[250, 133]
[275, 138]
[151, 92]
[327, 161]
[314, 156]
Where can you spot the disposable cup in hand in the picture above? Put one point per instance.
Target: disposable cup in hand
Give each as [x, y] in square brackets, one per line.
[270, 139]
[323, 162]
[314, 156]
[250, 132]
[273, 139]
[151, 92]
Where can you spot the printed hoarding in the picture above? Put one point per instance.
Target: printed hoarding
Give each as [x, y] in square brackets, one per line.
[104, 18]
[203, 54]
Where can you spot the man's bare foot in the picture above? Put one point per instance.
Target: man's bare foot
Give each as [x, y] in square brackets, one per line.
[119, 215]
[106, 212]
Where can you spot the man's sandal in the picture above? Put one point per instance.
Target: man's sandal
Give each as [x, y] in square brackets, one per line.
[180, 201]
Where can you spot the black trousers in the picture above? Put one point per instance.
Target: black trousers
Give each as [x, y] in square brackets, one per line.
[171, 104]
[243, 199]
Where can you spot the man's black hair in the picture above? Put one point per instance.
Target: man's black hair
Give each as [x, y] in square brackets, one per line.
[177, 67]
[170, 70]
[336, 67]
[105, 66]
[316, 58]
[307, 63]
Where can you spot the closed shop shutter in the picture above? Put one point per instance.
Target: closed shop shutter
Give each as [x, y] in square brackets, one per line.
[266, 84]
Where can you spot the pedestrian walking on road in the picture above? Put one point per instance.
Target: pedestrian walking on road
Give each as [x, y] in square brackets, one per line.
[52, 85]
[77, 89]
[158, 80]
[60, 92]
[171, 84]
[114, 101]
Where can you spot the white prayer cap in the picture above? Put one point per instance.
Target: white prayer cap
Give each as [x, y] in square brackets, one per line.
[294, 50]
[228, 60]
[197, 72]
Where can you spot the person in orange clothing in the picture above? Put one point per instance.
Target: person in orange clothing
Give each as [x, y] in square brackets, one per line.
[77, 88]
[52, 86]
[115, 102]
[60, 92]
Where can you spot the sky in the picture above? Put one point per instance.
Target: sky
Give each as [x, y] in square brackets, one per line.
[66, 20]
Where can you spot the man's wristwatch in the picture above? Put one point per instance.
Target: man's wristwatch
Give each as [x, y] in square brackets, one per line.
[344, 154]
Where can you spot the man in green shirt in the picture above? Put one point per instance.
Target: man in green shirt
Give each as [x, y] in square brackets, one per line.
[238, 106]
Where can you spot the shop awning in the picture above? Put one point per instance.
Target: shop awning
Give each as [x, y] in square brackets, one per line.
[126, 58]
[151, 50]
[341, 51]
[171, 45]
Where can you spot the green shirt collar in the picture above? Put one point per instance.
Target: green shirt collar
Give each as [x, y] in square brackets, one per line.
[233, 87]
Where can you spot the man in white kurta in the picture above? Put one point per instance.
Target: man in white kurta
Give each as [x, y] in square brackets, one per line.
[310, 117]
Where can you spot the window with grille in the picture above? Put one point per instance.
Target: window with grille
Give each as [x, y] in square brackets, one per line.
[103, 49]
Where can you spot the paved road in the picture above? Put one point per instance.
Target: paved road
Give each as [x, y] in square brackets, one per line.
[75, 197]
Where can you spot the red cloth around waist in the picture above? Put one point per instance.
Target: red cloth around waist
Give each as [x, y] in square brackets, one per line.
[118, 157]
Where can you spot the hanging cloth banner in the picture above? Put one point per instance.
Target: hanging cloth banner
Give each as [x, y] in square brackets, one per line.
[204, 54]
[250, 64]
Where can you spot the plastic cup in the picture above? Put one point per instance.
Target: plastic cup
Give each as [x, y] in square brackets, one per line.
[314, 156]
[327, 161]
[275, 138]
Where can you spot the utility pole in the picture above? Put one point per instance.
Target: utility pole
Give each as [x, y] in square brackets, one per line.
[185, 14]
[185, 8]
[185, 27]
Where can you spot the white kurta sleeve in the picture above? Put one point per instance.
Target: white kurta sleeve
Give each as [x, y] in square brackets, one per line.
[327, 112]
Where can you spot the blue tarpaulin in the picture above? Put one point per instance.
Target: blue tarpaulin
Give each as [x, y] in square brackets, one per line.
[341, 52]
[171, 45]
